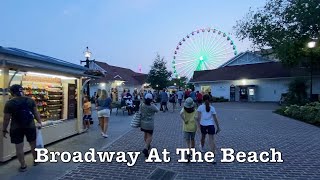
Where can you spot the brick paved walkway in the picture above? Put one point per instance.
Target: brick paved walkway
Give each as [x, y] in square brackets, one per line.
[244, 129]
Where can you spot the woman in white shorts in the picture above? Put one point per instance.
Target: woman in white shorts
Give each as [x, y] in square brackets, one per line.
[104, 108]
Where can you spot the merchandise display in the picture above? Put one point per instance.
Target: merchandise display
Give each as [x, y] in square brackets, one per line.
[49, 99]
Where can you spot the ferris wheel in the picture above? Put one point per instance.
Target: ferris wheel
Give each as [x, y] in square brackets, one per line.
[202, 49]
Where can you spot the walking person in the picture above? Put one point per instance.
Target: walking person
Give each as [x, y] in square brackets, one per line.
[193, 95]
[199, 98]
[164, 100]
[96, 101]
[104, 108]
[86, 113]
[180, 94]
[147, 110]
[21, 111]
[188, 115]
[208, 122]
[173, 100]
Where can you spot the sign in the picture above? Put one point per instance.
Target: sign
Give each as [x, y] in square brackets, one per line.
[72, 103]
[41, 79]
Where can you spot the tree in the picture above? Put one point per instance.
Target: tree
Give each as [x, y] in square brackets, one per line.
[297, 92]
[158, 76]
[286, 26]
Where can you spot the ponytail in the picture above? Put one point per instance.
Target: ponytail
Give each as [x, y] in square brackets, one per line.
[206, 99]
[207, 105]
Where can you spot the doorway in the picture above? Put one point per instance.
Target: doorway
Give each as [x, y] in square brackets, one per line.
[243, 93]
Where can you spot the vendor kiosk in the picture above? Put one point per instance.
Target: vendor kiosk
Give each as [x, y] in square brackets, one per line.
[53, 84]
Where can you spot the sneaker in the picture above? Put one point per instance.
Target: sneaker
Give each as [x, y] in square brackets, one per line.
[105, 135]
[145, 152]
[23, 169]
[201, 148]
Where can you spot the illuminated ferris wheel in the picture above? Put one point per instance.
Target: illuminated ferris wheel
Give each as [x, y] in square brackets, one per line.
[202, 49]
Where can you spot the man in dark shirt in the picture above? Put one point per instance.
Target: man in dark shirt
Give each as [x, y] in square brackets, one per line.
[18, 127]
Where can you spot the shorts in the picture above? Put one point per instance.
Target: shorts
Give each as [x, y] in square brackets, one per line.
[189, 135]
[163, 103]
[17, 135]
[87, 118]
[208, 129]
[147, 131]
[104, 113]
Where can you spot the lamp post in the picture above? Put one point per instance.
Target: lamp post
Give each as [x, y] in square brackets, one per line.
[87, 55]
[311, 45]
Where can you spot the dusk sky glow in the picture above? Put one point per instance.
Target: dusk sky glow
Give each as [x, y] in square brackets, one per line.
[125, 33]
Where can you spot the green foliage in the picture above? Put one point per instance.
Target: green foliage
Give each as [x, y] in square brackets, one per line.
[285, 26]
[158, 76]
[309, 113]
[297, 93]
[219, 99]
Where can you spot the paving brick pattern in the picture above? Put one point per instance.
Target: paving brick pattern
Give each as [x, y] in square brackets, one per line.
[244, 128]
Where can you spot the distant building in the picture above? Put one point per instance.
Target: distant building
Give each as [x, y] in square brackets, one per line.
[118, 78]
[250, 77]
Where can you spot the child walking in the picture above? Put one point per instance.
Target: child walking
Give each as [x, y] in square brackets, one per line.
[86, 113]
[188, 115]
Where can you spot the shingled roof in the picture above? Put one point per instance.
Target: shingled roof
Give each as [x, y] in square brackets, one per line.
[248, 71]
[120, 73]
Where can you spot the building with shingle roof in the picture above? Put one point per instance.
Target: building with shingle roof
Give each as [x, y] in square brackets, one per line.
[251, 77]
[115, 77]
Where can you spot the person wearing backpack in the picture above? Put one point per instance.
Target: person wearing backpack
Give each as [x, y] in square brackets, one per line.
[22, 111]
[173, 100]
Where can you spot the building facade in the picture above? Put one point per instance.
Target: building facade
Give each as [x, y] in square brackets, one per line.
[250, 77]
[116, 78]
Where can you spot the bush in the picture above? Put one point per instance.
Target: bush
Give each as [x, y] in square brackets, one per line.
[219, 99]
[297, 93]
[309, 113]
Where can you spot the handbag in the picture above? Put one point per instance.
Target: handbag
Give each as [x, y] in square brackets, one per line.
[136, 120]
[39, 140]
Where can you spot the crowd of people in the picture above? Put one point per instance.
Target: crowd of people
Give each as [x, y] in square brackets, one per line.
[196, 116]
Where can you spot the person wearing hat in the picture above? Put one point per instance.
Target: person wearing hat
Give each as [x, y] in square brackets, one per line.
[189, 117]
[21, 111]
[147, 111]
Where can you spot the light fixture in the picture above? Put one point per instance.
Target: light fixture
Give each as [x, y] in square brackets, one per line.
[50, 75]
[175, 84]
[311, 44]
[102, 84]
[87, 53]
[244, 81]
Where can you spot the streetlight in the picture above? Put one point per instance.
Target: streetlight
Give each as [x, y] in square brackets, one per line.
[311, 45]
[87, 55]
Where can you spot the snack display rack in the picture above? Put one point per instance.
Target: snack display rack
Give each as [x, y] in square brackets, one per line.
[49, 99]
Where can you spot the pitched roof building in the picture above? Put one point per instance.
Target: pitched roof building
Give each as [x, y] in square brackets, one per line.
[116, 77]
[250, 77]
